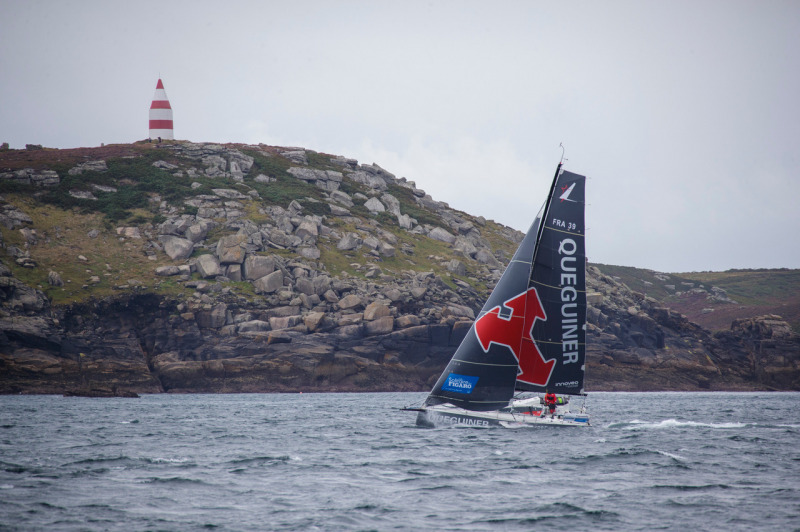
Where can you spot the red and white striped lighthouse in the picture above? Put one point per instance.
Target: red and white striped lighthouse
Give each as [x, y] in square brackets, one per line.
[160, 114]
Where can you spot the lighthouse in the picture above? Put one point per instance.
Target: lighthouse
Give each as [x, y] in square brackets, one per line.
[160, 114]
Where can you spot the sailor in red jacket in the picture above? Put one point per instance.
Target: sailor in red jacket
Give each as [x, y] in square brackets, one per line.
[550, 401]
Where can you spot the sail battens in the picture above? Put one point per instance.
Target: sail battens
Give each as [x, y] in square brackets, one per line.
[512, 317]
[538, 283]
[484, 363]
[476, 405]
[554, 342]
[551, 228]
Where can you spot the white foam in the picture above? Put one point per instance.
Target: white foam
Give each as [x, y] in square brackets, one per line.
[674, 423]
[673, 456]
[169, 460]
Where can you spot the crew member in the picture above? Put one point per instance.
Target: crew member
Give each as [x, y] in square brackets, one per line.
[550, 401]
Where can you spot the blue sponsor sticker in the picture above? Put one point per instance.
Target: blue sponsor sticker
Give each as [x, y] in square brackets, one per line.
[459, 383]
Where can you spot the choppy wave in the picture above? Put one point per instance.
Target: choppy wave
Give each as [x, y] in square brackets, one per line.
[211, 461]
[173, 480]
[261, 460]
[159, 460]
[672, 423]
[692, 487]
[99, 460]
[672, 455]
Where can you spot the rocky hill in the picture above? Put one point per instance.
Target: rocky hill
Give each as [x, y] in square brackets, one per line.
[716, 299]
[187, 267]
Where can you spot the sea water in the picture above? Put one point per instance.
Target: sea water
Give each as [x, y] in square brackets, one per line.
[674, 461]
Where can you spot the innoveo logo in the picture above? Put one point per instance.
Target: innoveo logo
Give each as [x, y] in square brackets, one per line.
[514, 332]
[459, 383]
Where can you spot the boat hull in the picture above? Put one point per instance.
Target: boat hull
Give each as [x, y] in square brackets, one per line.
[448, 415]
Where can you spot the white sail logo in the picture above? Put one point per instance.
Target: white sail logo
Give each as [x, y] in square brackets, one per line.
[566, 192]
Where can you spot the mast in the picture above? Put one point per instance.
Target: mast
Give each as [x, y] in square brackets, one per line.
[558, 276]
[544, 214]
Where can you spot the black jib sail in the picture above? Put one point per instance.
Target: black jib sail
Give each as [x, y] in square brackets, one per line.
[530, 333]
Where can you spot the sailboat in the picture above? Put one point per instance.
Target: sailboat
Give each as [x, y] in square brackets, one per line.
[530, 336]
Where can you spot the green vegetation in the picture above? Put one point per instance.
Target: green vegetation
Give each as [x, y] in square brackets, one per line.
[493, 234]
[756, 292]
[13, 187]
[63, 238]
[747, 287]
[286, 187]
[320, 161]
[135, 181]
[319, 208]
[408, 205]
[636, 279]
[752, 287]
[109, 263]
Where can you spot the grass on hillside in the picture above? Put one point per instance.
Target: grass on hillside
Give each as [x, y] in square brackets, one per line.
[62, 223]
[493, 234]
[62, 236]
[636, 279]
[286, 187]
[747, 287]
[428, 255]
[136, 181]
[753, 287]
[408, 205]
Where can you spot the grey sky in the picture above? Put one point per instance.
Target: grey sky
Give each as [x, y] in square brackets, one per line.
[683, 114]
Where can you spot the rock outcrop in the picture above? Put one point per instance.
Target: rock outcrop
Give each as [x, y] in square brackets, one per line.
[634, 343]
[359, 282]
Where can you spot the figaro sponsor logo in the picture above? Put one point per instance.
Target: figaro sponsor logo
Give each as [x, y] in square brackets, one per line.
[460, 383]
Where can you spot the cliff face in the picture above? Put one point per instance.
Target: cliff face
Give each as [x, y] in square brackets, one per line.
[255, 268]
[635, 343]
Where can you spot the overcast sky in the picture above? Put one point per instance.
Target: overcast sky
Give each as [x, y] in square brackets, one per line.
[685, 115]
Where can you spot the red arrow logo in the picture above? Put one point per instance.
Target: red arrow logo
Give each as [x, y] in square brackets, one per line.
[514, 332]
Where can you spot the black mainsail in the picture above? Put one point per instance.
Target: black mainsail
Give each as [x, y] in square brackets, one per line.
[530, 333]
